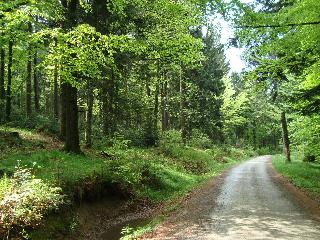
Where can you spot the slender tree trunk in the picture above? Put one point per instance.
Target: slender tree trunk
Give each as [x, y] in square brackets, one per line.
[274, 138]
[254, 132]
[63, 91]
[182, 109]
[156, 110]
[18, 98]
[28, 80]
[56, 89]
[36, 85]
[105, 109]
[285, 136]
[164, 103]
[56, 93]
[111, 104]
[156, 103]
[162, 94]
[88, 134]
[150, 122]
[8, 92]
[2, 70]
[63, 110]
[108, 110]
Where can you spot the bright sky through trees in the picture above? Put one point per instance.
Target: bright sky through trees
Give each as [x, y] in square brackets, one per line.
[233, 54]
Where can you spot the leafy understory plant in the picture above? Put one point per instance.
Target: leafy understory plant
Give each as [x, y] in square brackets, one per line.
[25, 200]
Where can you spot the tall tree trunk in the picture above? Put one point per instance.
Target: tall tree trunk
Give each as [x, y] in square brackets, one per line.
[8, 92]
[156, 111]
[274, 139]
[28, 80]
[55, 88]
[69, 107]
[285, 136]
[63, 91]
[156, 103]
[55, 93]
[2, 70]
[182, 109]
[105, 113]
[254, 132]
[36, 85]
[164, 103]
[72, 130]
[63, 109]
[150, 114]
[88, 134]
[108, 111]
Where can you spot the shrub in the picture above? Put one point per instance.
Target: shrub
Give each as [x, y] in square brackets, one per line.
[200, 140]
[41, 123]
[25, 200]
[135, 135]
[169, 141]
[171, 137]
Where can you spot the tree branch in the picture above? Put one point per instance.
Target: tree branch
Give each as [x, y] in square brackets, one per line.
[280, 25]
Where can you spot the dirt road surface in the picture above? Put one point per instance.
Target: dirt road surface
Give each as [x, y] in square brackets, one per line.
[246, 203]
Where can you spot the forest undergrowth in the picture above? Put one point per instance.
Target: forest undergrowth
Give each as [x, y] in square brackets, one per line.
[155, 174]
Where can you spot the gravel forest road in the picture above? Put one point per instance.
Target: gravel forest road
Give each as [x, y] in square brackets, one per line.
[245, 203]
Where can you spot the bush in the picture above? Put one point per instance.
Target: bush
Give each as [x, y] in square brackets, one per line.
[200, 140]
[135, 135]
[169, 141]
[309, 158]
[305, 136]
[25, 200]
[39, 122]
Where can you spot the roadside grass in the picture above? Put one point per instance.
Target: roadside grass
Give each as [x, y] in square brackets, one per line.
[158, 174]
[139, 173]
[305, 176]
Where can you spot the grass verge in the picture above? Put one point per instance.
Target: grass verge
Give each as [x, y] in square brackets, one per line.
[303, 175]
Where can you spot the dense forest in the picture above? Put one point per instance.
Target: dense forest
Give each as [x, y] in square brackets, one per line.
[124, 80]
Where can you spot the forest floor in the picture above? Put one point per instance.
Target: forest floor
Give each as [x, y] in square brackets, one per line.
[251, 201]
[116, 192]
[111, 191]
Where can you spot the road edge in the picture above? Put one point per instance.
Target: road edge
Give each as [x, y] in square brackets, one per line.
[311, 206]
[182, 203]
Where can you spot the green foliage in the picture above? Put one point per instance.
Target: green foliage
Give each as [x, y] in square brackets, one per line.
[305, 135]
[135, 171]
[303, 175]
[285, 61]
[233, 107]
[171, 137]
[200, 140]
[25, 200]
[156, 173]
[40, 123]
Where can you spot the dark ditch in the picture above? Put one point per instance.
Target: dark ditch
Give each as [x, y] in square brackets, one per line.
[105, 219]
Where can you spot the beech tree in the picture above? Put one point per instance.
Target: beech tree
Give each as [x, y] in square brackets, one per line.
[275, 34]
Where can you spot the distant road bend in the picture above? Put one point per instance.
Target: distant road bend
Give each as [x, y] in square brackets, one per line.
[246, 203]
